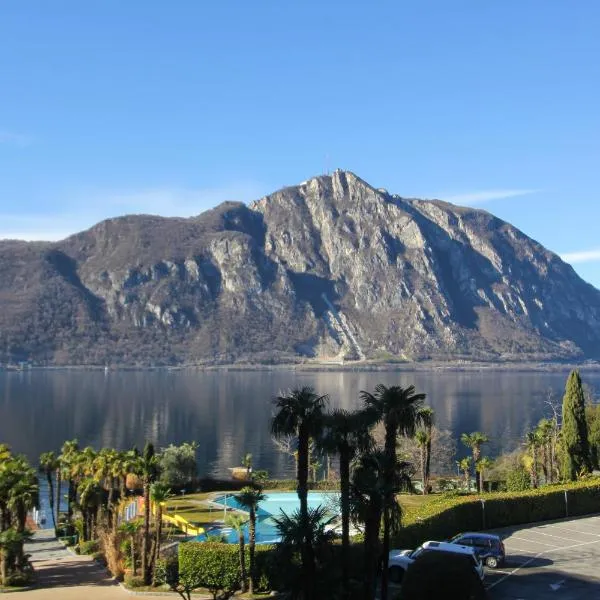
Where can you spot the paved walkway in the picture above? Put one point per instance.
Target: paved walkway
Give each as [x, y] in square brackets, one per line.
[61, 575]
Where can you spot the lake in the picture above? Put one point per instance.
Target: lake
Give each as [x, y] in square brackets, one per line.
[228, 412]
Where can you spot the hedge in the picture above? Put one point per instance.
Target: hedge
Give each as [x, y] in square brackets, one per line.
[215, 565]
[444, 517]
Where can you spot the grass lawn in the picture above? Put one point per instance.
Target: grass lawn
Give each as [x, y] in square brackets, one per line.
[412, 501]
[194, 511]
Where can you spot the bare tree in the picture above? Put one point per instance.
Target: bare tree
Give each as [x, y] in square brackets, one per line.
[556, 423]
[287, 445]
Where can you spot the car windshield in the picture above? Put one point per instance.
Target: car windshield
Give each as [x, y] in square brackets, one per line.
[416, 552]
[456, 538]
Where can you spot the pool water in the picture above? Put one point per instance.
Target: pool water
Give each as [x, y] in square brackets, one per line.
[272, 506]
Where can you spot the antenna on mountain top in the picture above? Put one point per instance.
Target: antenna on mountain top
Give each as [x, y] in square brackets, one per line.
[327, 164]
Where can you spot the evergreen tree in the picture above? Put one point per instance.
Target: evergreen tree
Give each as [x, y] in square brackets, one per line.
[576, 455]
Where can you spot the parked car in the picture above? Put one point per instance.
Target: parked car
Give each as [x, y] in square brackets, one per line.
[487, 546]
[400, 560]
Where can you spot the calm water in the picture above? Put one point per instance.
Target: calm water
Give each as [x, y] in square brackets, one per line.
[228, 413]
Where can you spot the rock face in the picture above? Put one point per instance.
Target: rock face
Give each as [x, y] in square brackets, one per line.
[332, 268]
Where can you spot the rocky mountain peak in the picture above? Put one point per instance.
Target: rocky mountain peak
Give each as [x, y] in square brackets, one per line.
[328, 269]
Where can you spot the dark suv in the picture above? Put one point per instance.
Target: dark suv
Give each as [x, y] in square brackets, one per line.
[487, 546]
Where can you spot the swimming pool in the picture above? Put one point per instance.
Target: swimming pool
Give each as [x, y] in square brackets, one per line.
[274, 503]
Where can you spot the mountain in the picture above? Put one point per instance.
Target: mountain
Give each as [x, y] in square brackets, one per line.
[327, 269]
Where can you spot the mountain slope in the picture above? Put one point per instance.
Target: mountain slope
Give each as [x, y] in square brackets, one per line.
[329, 268]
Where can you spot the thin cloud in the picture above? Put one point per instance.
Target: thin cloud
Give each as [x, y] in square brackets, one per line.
[15, 139]
[481, 197]
[86, 208]
[585, 256]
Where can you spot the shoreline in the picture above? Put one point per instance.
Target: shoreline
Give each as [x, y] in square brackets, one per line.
[351, 366]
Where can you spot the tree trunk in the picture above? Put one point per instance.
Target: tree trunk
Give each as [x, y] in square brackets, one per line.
[371, 554]
[51, 497]
[345, 506]
[308, 563]
[302, 471]
[252, 542]
[58, 498]
[110, 503]
[146, 536]
[242, 551]
[3, 565]
[424, 468]
[391, 434]
[428, 458]
[70, 500]
[133, 567]
[534, 468]
[156, 550]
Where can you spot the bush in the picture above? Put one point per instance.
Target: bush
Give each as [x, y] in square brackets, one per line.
[518, 480]
[90, 547]
[445, 516]
[18, 580]
[133, 582]
[210, 565]
[215, 566]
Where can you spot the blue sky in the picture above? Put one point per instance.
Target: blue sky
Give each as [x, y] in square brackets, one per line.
[111, 107]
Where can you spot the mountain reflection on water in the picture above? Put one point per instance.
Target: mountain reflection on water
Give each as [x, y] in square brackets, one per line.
[228, 412]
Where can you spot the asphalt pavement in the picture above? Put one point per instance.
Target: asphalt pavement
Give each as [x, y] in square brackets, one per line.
[555, 560]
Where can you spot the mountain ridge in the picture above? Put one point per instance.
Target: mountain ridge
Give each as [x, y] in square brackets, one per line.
[329, 269]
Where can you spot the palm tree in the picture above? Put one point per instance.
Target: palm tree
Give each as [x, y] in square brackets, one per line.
[427, 420]
[11, 544]
[48, 466]
[237, 522]
[104, 466]
[464, 464]
[485, 464]
[292, 529]
[368, 491]
[247, 463]
[148, 470]
[159, 494]
[90, 500]
[545, 431]
[131, 529]
[300, 413]
[249, 498]
[346, 434]
[400, 410]
[67, 458]
[474, 441]
[422, 439]
[533, 442]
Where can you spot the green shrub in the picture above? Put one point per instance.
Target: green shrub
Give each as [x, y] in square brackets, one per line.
[134, 581]
[447, 515]
[518, 480]
[18, 580]
[90, 547]
[210, 565]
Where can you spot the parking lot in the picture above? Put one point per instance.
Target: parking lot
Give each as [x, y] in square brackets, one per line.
[557, 560]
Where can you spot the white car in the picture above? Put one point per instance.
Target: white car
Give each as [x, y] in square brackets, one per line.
[400, 560]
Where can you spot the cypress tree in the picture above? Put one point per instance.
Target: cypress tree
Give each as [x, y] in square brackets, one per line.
[576, 455]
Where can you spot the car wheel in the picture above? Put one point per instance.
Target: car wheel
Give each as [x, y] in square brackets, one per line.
[491, 562]
[396, 574]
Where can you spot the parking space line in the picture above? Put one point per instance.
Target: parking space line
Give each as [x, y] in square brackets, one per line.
[574, 530]
[555, 536]
[538, 556]
[489, 587]
[535, 542]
